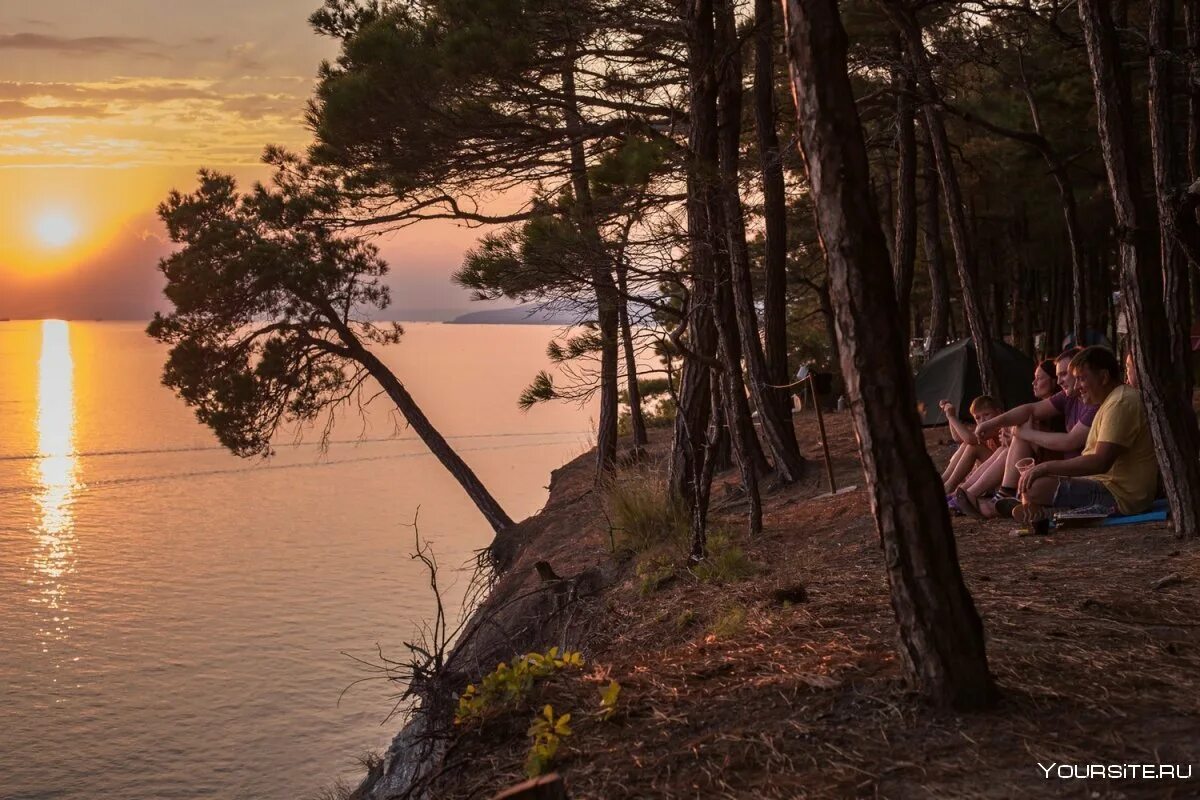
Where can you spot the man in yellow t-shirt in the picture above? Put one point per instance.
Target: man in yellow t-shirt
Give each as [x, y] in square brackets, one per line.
[1117, 470]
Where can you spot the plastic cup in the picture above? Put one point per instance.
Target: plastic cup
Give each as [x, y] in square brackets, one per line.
[1024, 464]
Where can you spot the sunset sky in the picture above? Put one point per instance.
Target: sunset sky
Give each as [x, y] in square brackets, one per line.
[105, 107]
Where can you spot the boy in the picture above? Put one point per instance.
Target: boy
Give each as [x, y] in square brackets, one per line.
[973, 449]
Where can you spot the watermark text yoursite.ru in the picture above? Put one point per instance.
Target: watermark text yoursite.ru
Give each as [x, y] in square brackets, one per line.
[1116, 771]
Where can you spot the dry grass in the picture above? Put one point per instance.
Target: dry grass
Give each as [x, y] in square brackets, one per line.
[641, 515]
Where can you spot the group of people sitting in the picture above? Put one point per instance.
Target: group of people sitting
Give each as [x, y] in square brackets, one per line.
[1084, 443]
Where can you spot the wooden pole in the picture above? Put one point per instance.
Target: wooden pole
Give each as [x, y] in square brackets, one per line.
[821, 423]
[810, 379]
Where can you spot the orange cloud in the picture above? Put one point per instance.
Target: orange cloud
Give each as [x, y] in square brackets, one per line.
[83, 45]
[16, 109]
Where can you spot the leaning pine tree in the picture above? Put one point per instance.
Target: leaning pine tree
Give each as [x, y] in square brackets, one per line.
[941, 635]
[269, 322]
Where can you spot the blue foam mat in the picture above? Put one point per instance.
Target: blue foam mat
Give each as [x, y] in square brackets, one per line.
[1157, 513]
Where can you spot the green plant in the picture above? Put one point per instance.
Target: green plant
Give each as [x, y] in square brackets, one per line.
[655, 571]
[508, 686]
[608, 699]
[547, 731]
[726, 561]
[731, 621]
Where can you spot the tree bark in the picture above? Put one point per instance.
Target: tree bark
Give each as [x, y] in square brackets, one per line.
[1191, 23]
[906, 194]
[1191, 18]
[774, 207]
[1066, 195]
[602, 280]
[738, 416]
[1172, 421]
[777, 429]
[637, 420]
[1162, 151]
[429, 435]
[935, 262]
[726, 233]
[703, 473]
[964, 254]
[695, 393]
[742, 438]
[940, 632]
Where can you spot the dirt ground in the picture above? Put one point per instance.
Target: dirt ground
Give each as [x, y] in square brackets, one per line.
[753, 688]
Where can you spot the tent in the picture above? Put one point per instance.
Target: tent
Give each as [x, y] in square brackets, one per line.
[1090, 338]
[953, 374]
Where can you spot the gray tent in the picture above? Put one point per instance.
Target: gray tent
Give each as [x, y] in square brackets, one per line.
[953, 374]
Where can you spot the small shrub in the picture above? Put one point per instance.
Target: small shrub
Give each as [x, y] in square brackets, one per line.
[507, 687]
[655, 572]
[547, 731]
[726, 561]
[731, 622]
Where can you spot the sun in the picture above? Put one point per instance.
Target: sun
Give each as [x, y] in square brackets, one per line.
[55, 229]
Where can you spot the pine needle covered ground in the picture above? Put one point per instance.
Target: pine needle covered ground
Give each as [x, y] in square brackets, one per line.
[773, 673]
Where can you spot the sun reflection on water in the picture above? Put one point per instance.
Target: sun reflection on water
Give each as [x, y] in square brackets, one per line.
[55, 477]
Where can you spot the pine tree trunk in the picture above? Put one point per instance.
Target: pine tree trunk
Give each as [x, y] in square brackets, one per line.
[1055, 328]
[738, 415]
[1066, 195]
[695, 393]
[906, 196]
[1191, 17]
[964, 255]
[1191, 23]
[429, 435]
[940, 632]
[827, 313]
[602, 280]
[736, 412]
[1174, 265]
[935, 262]
[703, 475]
[1172, 422]
[774, 207]
[636, 419]
[777, 429]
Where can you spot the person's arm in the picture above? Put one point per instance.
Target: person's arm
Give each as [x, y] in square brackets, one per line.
[1081, 466]
[960, 431]
[1014, 417]
[1073, 439]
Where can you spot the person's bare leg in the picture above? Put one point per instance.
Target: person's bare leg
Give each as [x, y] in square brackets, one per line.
[962, 469]
[988, 476]
[1017, 450]
[958, 456]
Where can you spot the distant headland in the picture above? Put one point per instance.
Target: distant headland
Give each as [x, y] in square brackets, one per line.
[522, 315]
